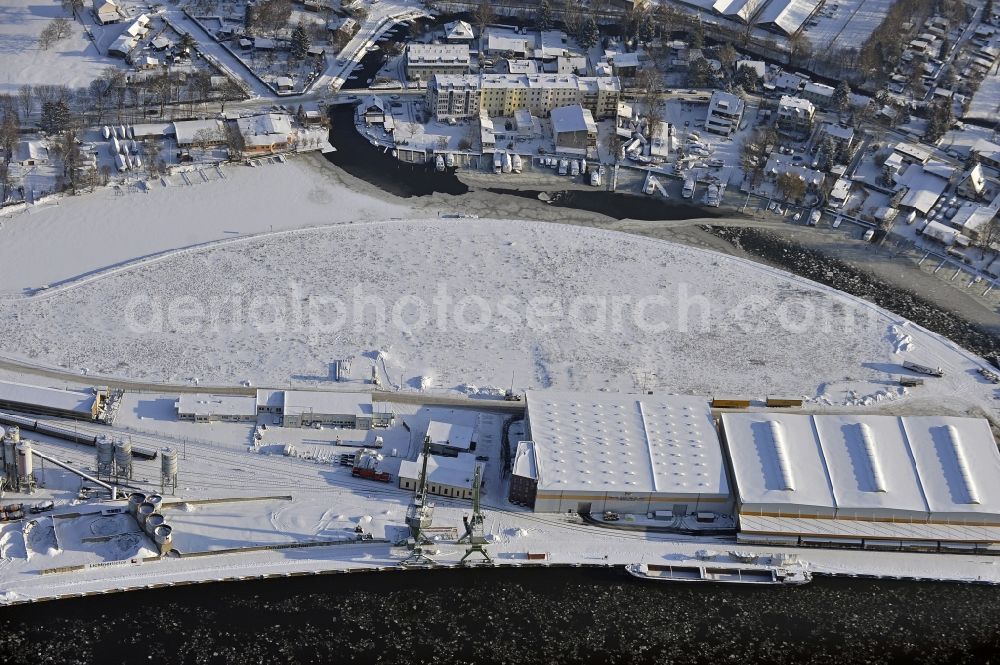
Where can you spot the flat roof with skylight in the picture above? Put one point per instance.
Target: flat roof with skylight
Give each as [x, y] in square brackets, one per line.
[643, 448]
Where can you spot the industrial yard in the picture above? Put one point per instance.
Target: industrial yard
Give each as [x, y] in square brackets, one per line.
[271, 507]
[631, 331]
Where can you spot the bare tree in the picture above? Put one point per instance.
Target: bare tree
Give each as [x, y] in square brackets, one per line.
[203, 138]
[74, 7]
[268, 16]
[234, 142]
[792, 186]
[54, 32]
[483, 15]
[230, 90]
[989, 235]
[10, 131]
[152, 151]
[26, 95]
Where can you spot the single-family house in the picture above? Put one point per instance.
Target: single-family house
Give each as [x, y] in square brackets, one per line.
[106, 11]
[458, 32]
[574, 130]
[266, 133]
[32, 153]
[973, 185]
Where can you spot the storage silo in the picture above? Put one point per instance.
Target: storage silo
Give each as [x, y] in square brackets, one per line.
[10, 458]
[9, 451]
[154, 520]
[155, 500]
[123, 459]
[135, 499]
[168, 469]
[143, 512]
[105, 457]
[163, 538]
[25, 480]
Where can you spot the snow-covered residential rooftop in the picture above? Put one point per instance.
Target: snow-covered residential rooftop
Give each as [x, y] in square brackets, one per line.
[850, 466]
[913, 152]
[615, 442]
[458, 30]
[432, 54]
[925, 188]
[186, 131]
[572, 119]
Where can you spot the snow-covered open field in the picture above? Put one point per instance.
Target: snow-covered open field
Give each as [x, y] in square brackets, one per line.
[462, 304]
[113, 226]
[74, 61]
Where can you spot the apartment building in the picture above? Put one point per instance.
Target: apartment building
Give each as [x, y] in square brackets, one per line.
[725, 111]
[426, 60]
[795, 115]
[454, 97]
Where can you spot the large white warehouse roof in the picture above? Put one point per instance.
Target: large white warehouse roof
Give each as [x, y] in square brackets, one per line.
[613, 442]
[47, 398]
[788, 15]
[856, 466]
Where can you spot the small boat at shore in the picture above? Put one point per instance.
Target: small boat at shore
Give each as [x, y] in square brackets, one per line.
[720, 574]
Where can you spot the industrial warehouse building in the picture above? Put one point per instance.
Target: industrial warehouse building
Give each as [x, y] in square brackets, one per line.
[304, 408]
[591, 452]
[203, 408]
[879, 482]
[446, 476]
[450, 438]
[78, 405]
[524, 475]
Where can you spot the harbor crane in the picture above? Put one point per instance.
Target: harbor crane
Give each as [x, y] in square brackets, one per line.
[420, 516]
[475, 533]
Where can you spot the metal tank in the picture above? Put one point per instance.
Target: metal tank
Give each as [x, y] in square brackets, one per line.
[163, 538]
[153, 521]
[105, 456]
[135, 499]
[123, 458]
[155, 500]
[143, 512]
[10, 455]
[168, 463]
[25, 467]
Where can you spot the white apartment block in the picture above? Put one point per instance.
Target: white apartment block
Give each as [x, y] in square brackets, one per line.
[453, 97]
[503, 94]
[426, 60]
[795, 114]
[725, 111]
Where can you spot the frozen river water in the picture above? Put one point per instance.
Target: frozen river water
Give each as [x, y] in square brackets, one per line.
[510, 616]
